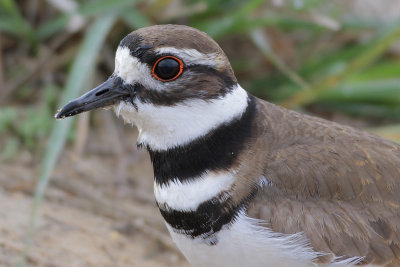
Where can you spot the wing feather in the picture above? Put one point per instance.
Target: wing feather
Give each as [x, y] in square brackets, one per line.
[338, 185]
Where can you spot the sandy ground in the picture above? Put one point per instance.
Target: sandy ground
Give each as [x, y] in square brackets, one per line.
[98, 210]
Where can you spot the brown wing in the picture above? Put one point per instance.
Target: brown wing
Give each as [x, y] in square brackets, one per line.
[338, 185]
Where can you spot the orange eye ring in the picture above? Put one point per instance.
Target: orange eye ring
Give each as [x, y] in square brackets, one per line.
[154, 74]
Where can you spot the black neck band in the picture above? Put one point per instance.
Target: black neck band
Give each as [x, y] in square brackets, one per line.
[208, 218]
[215, 151]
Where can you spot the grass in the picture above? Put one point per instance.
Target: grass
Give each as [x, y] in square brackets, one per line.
[79, 76]
[366, 57]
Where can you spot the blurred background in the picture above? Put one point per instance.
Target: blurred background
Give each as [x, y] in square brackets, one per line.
[77, 192]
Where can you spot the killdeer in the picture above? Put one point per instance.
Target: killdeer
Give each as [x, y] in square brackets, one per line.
[243, 182]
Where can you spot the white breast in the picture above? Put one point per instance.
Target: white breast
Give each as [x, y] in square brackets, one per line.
[246, 243]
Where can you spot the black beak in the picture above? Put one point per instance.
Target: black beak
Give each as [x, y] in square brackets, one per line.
[108, 93]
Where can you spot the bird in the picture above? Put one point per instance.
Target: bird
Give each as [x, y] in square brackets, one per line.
[240, 181]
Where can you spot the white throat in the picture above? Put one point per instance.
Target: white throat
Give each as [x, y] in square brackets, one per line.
[163, 127]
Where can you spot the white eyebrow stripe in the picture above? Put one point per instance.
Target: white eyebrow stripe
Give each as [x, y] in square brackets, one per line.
[192, 56]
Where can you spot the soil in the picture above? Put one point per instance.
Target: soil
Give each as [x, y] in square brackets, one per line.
[98, 209]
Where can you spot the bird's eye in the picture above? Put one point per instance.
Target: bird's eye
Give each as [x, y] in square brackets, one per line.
[167, 68]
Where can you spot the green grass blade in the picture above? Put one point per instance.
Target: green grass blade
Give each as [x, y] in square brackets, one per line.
[391, 132]
[52, 26]
[82, 68]
[260, 40]
[388, 69]
[370, 54]
[374, 91]
[367, 110]
[7, 25]
[15, 23]
[89, 9]
[103, 6]
[135, 19]
[230, 22]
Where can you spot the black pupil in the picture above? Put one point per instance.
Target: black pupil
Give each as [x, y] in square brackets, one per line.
[167, 68]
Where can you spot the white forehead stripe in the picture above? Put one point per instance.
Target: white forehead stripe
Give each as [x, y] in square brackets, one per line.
[131, 70]
[187, 196]
[127, 67]
[192, 56]
[163, 127]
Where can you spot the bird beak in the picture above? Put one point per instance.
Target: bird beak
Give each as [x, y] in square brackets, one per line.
[108, 93]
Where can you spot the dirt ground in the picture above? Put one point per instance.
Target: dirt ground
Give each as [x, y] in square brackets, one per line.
[98, 210]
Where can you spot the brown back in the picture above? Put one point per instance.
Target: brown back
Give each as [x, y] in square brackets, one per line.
[338, 185]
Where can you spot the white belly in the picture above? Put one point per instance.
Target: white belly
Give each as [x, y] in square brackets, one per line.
[245, 243]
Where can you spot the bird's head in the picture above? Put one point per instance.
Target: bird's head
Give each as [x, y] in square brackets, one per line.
[173, 82]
